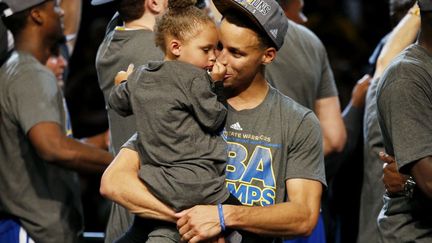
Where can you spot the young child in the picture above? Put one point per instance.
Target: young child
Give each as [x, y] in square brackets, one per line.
[179, 118]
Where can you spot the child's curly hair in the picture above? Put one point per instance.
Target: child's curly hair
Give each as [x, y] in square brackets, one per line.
[183, 20]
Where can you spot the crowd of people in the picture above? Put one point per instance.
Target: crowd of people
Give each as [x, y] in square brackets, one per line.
[225, 125]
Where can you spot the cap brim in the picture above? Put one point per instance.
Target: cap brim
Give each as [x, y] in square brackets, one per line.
[100, 2]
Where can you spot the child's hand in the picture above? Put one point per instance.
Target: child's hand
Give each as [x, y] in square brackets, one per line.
[218, 71]
[123, 75]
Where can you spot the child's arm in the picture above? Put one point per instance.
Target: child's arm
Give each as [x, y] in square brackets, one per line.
[119, 99]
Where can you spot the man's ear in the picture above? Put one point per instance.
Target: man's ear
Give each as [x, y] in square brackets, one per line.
[156, 6]
[269, 55]
[37, 16]
[175, 47]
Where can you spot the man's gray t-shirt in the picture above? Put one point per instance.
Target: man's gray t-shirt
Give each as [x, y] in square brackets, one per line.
[44, 197]
[404, 104]
[267, 145]
[301, 69]
[179, 120]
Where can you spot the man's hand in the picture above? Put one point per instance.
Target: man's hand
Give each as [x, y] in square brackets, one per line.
[199, 223]
[393, 181]
[123, 75]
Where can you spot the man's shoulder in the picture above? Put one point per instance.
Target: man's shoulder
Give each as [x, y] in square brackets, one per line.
[290, 107]
[406, 71]
[22, 67]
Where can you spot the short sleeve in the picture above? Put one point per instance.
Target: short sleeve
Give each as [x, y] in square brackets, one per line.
[131, 143]
[305, 155]
[405, 110]
[327, 87]
[36, 99]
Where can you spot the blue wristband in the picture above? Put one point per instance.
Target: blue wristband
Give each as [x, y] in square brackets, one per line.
[221, 217]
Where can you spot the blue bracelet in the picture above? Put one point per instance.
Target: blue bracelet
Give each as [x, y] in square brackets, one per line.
[221, 217]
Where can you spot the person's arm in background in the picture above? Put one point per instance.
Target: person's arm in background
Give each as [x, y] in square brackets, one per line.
[404, 34]
[353, 119]
[72, 19]
[121, 184]
[332, 126]
[54, 146]
[353, 113]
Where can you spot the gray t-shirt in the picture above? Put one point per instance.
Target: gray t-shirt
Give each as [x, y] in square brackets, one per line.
[301, 69]
[276, 141]
[44, 197]
[119, 48]
[405, 113]
[179, 121]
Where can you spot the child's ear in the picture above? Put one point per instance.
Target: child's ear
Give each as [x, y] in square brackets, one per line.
[175, 47]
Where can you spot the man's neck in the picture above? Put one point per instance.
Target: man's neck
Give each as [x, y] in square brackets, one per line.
[36, 47]
[252, 96]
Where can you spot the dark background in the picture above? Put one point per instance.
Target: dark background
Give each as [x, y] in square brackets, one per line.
[349, 29]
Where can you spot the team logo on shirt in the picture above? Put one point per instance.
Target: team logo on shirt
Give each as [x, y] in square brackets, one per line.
[249, 172]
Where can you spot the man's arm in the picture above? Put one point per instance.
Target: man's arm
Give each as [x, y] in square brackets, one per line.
[329, 114]
[54, 146]
[297, 217]
[401, 36]
[121, 184]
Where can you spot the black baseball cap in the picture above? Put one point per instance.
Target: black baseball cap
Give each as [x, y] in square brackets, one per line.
[266, 14]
